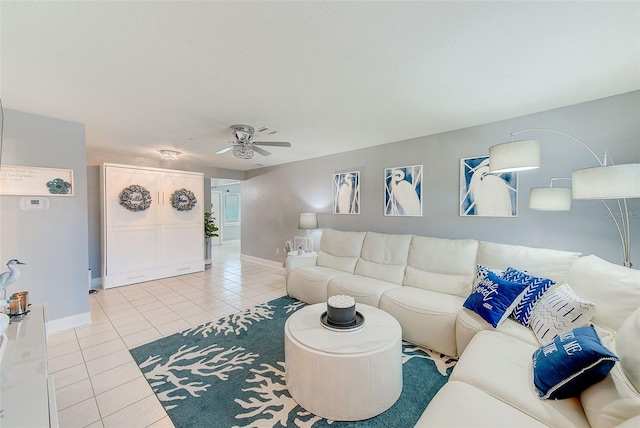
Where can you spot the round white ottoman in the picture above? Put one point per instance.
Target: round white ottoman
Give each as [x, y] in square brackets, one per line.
[343, 375]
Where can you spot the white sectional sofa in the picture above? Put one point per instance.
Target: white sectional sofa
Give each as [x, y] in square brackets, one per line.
[423, 282]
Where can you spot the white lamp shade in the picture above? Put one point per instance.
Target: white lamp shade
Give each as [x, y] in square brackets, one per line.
[550, 199]
[308, 221]
[514, 156]
[607, 182]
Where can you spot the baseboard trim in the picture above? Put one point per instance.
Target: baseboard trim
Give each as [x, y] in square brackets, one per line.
[67, 323]
[265, 262]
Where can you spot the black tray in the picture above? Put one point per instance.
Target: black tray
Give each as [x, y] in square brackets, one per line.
[358, 323]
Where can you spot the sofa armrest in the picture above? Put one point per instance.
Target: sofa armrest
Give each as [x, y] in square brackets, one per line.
[298, 261]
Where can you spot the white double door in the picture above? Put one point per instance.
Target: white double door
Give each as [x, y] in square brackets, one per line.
[160, 236]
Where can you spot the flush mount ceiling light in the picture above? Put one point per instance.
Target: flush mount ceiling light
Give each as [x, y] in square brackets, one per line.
[169, 154]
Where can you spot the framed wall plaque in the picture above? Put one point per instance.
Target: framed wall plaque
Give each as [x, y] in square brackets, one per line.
[35, 181]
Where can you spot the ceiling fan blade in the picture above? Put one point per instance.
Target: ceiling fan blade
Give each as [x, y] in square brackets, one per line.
[263, 152]
[225, 150]
[273, 143]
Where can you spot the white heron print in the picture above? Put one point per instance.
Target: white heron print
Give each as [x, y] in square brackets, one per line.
[346, 193]
[487, 194]
[403, 191]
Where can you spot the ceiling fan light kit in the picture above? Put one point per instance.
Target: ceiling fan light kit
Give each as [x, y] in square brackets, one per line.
[243, 152]
[244, 147]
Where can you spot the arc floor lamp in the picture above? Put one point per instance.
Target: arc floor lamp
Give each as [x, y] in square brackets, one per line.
[605, 181]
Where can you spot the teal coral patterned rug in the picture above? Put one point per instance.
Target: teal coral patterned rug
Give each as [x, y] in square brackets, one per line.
[230, 373]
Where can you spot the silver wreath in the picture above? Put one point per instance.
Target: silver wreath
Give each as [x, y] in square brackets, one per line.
[183, 200]
[135, 198]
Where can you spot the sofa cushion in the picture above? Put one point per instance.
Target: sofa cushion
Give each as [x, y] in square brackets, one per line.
[540, 262]
[443, 265]
[628, 348]
[616, 399]
[384, 256]
[570, 363]
[613, 288]
[309, 284]
[631, 423]
[428, 318]
[559, 310]
[494, 298]
[365, 289]
[480, 410]
[536, 287]
[468, 324]
[340, 250]
[501, 366]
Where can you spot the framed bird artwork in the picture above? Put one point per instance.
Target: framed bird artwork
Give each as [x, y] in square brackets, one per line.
[346, 192]
[487, 194]
[403, 191]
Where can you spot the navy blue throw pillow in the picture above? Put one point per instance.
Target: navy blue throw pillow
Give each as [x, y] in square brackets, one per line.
[571, 363]
[493, 298]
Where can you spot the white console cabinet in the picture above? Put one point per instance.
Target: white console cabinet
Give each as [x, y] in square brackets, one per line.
[27, 396]
[158, 241]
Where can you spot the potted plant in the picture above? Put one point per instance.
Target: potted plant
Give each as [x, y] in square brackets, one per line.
[210, 230]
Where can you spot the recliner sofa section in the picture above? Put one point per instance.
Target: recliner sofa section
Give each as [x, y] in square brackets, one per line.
[422, 281]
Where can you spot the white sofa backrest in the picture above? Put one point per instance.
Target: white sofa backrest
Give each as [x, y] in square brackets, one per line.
[614, 289]
[628, 348]
[542, 262]
[616, 399]
[340, 250]
[384, 256]
[442, 265]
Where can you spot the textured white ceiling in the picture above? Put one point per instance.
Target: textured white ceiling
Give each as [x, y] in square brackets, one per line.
[329, 76]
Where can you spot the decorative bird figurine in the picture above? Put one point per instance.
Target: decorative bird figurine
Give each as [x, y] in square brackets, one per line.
[12, 275]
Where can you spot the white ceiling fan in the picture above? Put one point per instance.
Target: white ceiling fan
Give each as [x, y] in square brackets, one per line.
[244, 146]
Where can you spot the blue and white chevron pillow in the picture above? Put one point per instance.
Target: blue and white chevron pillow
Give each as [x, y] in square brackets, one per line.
[536, 287]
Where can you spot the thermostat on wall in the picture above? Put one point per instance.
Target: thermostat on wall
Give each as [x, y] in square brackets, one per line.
[34, 204]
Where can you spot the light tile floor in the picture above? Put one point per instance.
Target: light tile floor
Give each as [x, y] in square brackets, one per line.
[97, 382]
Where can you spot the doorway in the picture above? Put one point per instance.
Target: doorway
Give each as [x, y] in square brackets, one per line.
[225, 206]
[216, 209]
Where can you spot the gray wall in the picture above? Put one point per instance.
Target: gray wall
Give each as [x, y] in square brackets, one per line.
[274, 197]
[53, 243]
[94, 219]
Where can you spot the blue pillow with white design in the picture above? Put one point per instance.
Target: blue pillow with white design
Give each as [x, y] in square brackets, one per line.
[494, 298]
[483, 271]
[532, 293]
[571, 363]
